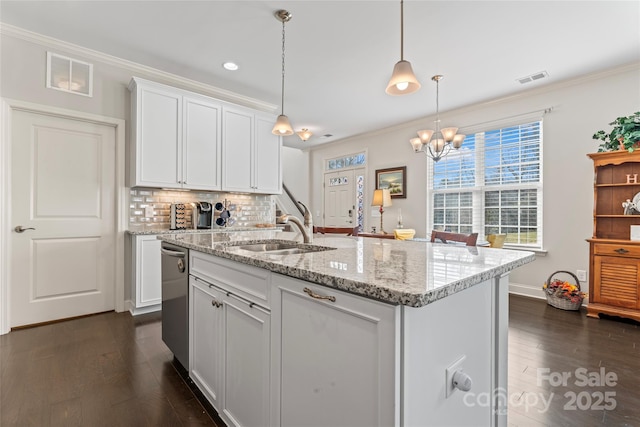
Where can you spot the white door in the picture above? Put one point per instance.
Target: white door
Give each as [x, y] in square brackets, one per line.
[63, 193]
[339, 199]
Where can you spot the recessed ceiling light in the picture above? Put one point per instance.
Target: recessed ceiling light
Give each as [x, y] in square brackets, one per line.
[231, 66]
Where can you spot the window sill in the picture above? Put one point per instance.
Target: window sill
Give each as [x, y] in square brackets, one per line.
[537, 251]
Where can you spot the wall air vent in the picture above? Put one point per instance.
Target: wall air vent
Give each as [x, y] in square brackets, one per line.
[69, 75]
[533, 77]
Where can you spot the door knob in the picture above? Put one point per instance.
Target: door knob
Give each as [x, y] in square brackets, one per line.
[20, 229]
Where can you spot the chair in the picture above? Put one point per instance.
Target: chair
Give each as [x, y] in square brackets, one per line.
[447, 236]
[496, 240]
[347, 231]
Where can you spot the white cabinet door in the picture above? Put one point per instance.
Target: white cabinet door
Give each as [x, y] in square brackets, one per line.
[230, 342]
[147, 273]
[201, 144]
[237, 142]
[156, 145]
[206, 340]
[246, 364]
[338, 363]
[267, 176]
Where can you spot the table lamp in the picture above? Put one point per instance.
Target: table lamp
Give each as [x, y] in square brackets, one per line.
[381, 198]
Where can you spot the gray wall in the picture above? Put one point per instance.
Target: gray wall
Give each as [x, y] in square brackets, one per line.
[580, 107]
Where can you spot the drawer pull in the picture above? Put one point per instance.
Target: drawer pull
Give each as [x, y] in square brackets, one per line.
[316, 296]
[621, 251]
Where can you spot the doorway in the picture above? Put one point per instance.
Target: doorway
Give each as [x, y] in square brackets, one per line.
[64, 236]
[344, 198]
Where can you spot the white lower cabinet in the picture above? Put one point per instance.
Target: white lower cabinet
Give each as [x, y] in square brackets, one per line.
[206, 330]
[338, 360]
[146, 274]
[230, 357]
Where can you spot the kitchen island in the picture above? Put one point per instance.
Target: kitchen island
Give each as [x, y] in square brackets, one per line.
[360, 332]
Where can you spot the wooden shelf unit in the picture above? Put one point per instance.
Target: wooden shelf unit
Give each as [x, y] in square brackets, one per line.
[614, 279]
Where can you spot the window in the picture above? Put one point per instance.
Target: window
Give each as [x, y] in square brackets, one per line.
[346, 162]
[492, 185]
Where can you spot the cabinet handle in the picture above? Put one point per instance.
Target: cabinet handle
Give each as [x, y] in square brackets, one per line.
[621, 251]
[216, 303]
[316, 296]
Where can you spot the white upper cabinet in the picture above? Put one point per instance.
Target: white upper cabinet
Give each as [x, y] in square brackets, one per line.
[237, 142]
[268, 170]
[201, 144]
[156, 136]
[175, 138]
[251, 152]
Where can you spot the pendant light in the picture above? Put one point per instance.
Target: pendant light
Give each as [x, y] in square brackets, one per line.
[304, 134]
[445, 138]
[402, 81]
[283, 126]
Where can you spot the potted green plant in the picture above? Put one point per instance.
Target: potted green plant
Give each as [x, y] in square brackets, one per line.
[625, 134]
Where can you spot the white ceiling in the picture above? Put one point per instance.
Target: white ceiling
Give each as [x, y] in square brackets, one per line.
[340, 54]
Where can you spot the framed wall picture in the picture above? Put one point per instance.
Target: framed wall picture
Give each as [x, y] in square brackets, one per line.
[394, 179]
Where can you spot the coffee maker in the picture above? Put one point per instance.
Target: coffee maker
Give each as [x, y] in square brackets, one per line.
[202, 215]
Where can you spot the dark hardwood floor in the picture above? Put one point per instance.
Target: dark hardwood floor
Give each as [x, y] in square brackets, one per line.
[112, 369]
[545, 342]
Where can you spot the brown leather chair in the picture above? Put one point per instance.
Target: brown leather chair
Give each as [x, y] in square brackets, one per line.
[447, 236]
[347, 231]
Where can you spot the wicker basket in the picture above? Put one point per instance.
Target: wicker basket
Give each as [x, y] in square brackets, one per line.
[559, 301]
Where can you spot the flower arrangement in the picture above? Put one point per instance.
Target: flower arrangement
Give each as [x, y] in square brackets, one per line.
[565, 290]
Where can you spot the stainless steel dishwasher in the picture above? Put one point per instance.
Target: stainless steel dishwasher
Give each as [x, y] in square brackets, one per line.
[175, 301]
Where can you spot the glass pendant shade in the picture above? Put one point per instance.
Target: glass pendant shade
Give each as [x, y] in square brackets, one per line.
[458, 140]
[282, 126]
[403, 81]
[448, 133]
[437, 145]
[425, 135]
[416, 143]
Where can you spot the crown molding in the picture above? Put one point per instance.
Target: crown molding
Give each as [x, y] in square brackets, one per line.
[135, 68]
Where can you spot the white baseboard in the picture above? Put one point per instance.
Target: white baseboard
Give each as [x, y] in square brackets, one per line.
[142, 310]
[528, 291]
[525, 290]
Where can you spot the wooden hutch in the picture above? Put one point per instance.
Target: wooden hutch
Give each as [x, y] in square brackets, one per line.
[614, 276]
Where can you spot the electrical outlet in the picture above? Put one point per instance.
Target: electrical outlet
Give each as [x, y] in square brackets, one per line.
[582, 275]
[148, 211]
[448, 384]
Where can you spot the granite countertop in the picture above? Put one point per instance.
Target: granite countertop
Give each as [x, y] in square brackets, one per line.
[405, 272]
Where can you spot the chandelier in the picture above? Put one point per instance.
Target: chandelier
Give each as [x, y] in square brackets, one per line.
[444, 139]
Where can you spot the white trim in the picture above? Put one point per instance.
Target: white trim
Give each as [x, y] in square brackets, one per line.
[5, 220]
[8, 106]
[135, 68]
[526, 290]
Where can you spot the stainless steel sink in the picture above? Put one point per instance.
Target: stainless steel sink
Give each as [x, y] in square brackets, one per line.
[279, 247]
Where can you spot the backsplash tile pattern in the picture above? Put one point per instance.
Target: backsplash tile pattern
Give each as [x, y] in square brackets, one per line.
[251, 209]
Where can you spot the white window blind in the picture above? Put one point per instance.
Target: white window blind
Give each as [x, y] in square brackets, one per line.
[492, 185]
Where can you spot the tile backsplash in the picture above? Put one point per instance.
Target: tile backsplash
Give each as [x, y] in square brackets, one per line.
[251, 209]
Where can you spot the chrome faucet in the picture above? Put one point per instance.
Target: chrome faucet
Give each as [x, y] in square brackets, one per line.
[306, 229]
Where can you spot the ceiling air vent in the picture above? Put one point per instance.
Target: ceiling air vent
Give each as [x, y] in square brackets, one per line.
[533, 77]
